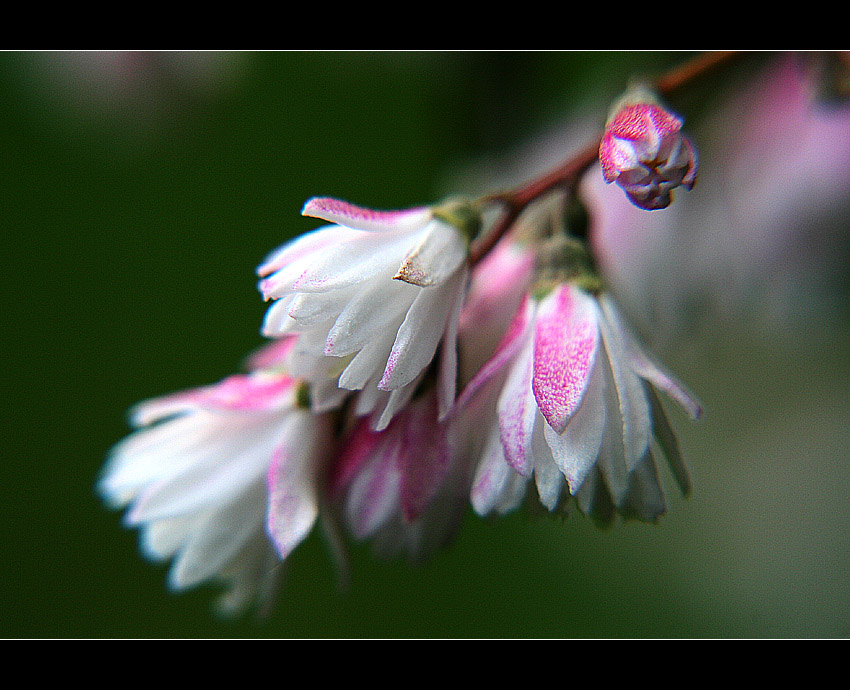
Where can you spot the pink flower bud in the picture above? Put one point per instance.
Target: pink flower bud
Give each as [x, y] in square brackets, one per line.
[644, 151]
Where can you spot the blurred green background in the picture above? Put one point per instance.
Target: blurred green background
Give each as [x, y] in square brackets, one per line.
[139, 191]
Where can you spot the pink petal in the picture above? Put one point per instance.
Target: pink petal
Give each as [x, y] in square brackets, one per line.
[517, 411]
[515, 337]
[359, 447]
[423, 458]
[566, 337]
[360, 218]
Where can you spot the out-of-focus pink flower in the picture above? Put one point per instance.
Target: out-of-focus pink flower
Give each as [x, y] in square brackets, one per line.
[644, 151]
[575, 409]
[213, 472]
[405, 488]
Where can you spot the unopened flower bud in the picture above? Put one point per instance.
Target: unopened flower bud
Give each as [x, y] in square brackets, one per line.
[645, 152]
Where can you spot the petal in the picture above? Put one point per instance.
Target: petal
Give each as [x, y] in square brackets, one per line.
[566, 337]
[447, 372]
[373, 496]
[369, 362]
[437, 255]
[396, 402]
[353, 261]
[645, 365]
[293, 480]
[214, 474]
[304, 247]
[359, 447]
[421, 331]
[548, 477]
[423, 457]
[517, 410]
[576, 450]
[631, 395]
[645, 499]
[666, 438]
[378, 307]
[349, 215]
[491, 475]
[612, 454]
[218, 538]
[515, 337]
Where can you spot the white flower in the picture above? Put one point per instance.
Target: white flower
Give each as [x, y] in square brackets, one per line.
[372, 298]
[214, 472]
[571, 395]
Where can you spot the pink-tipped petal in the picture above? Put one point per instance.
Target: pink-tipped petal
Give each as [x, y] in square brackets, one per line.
[360, 218]
[566, 338]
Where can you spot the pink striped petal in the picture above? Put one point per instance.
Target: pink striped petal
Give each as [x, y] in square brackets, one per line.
[360, 218]
[566, 337]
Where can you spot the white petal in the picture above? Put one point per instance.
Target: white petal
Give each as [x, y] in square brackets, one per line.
[647, 366]
[223, 471]
[396, 402]
[491, 475]
[219, 537]
[370, 361]
[645, 499]
[293, 501]
[304, 247]
[612, 454]
[633, 405]
[309, 309]
[576, 450]
[447, 374]
[379, 306]
[549, 479]
[354, 261]
[435, 258]
[419, 334]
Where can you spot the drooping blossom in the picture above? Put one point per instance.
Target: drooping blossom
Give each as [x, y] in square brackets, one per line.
[644, 151]
[405, 488]
[372, 297]
[223, 481]
[572, 403]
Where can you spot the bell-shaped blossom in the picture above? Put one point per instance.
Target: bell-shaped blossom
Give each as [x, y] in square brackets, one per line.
[223, 480]
[372, 297]
[644, 151]
[572, 403]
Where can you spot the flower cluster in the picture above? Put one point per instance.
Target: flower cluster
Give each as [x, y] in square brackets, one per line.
[404, 381]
